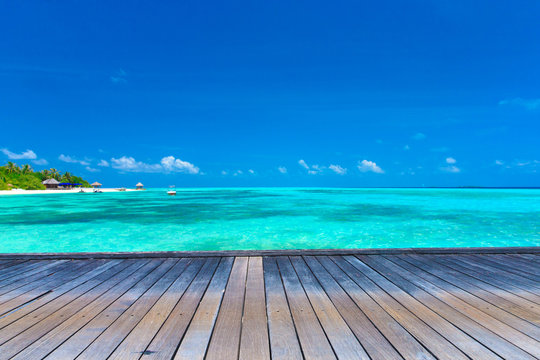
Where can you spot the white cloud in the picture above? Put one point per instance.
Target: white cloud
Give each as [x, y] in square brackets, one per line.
[524, 163]
[251, 171]
[450, 169]
[238, 172]
[338, 169]
[529, 104]
[369, 166]
[71, 159]
[130, 164]
[450, 160]
[282, 169]
[103, 163]
[169, 163]
[419, 136]
[88, 168]
[313, 169]
[28, 154]
[224, 172]
[40, 162]
[119, 77]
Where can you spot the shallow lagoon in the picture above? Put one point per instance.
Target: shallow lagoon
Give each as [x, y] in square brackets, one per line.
[269, 218]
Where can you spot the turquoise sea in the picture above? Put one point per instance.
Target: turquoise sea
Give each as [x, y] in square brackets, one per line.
[269, 218]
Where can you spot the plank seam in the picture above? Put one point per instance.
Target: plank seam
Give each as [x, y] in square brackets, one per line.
[179, 299]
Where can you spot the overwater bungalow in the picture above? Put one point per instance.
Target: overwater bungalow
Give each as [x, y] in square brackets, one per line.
[139, 186]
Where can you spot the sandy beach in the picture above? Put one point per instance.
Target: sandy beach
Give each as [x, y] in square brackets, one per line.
[72, 191]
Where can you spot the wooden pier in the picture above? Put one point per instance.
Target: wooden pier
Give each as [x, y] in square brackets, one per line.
[348, 305]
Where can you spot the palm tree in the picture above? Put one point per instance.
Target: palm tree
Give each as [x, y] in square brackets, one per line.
[45, 173]
[27, 169]
[54, 173]
[67, 177]
[12, 168]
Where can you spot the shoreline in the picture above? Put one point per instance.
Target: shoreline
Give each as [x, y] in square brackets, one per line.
[275, 252]
[72, 191]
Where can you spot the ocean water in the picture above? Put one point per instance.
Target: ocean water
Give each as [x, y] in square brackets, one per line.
[269, 218]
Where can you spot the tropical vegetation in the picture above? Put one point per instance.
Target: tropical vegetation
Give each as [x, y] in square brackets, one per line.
[24, 177]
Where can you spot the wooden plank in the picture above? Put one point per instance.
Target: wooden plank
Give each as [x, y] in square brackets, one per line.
[32, 328]
[30, 270]
[108, 340]
[346, 303]
[225, 340]
[33, 319]
[17, 285]
[284, 343]
[516, 303]
[254, 341]
[530, 258]
[525, 265]
[77, 343]
[29, 277]
[68, 287]
[508, 265]
[6, 264]
[140, 337]
[525, 287]
[29, 292]
[198, 334]
[166, 341]
[312, 338]
[59, 269]
[9, 265]
[408, 311]
[497, 280]
[458, 313]
[397, 335]
[450, 280]
[376, 345]
[342, 339]
[519, 265]
[20, 268]
[90, 306]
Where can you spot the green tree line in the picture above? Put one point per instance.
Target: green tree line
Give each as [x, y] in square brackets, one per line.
[24, 177]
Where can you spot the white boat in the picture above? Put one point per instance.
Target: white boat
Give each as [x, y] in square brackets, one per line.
[172, 192]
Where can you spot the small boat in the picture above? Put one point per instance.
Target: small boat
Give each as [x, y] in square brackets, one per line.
[172, 192]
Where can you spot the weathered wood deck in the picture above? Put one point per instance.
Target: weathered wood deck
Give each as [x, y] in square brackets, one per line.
[385, 306]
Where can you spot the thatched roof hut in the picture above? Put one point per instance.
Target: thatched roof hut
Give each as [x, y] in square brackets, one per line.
[51, 183]
[96, 185]
[139, 186]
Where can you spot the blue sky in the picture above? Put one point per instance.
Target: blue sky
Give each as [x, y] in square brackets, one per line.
[274, 93]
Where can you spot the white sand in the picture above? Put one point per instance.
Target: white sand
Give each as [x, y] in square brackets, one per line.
[73, 191]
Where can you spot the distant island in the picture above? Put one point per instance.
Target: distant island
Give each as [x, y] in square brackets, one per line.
[12, 176]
